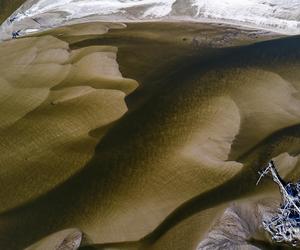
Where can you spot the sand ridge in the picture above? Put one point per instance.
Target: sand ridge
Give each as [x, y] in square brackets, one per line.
[52, 123]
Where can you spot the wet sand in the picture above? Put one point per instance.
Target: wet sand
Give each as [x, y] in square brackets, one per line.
[140, 135]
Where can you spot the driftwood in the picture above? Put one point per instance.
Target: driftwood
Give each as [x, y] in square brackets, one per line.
[284, 226]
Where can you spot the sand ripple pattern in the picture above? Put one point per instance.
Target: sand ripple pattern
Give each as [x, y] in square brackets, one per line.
[51, 99]
[85, 174]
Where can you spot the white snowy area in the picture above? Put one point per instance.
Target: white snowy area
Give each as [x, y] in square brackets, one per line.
[278, 15]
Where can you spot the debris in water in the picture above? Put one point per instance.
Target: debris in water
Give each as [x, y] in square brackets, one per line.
[284, 227]
[15, 34]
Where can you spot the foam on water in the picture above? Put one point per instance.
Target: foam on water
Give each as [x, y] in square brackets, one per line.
[278, 15]
[77, 9]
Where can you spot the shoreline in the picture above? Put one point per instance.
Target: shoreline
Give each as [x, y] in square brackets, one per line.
[26, 25]
[263, 31]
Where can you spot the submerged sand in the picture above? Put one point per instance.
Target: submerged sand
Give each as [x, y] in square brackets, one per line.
[7, 7]
[138, 137]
